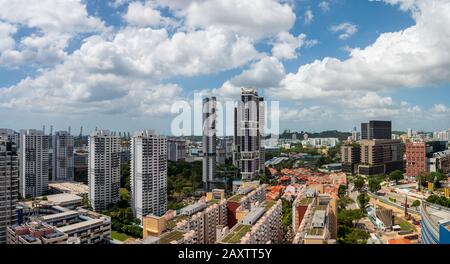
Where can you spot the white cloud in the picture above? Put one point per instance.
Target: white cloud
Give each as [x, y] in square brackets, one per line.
[308, 17]
[440, 108]
[53, 25]
[6, 40]
[414, 57]
[124, 73]
[256, 19]
[324, 6]
[146, 14]
[268, 72]
[345, 29]
[286, 45]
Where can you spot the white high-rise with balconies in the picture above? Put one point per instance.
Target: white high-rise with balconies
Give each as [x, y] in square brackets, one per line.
[103, 169]
[62, 160]
[33, 163]
[148, 174]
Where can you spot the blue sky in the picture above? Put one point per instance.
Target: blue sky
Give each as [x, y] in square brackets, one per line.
[121, 64]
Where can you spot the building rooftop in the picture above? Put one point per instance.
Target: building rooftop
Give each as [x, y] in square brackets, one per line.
[76, 188]
[173, 222]
[84, 224]
[49, 218]
[236, 198]
[236, 234]
[253, 216]
[171, 236]
[64, 198]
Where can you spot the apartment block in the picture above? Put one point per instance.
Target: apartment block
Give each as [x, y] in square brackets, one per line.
[103, 169]
[35, 233]
[261, 224]
[33, 163]
[249, 153]
[9, 186]
[62, 157]
[209, 174]
[176, 149]
[10, 135]
[148, 174]
[246, 196]
[318, 224]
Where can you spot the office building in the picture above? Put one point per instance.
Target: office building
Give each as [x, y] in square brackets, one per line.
[249, 155]
[148, 174]
[439, 161]
[224, 150]
[435, 223]
[209, 143]
[350, 157]
[419, 157]
[9, 186]
[380, 156]
[33, 163]
[176, 149]
[376, 130]
[103, 169]
[63, 158]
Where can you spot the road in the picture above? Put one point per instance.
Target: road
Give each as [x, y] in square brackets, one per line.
[411, 210]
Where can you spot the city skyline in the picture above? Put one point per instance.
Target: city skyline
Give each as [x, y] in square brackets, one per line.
[121, 65]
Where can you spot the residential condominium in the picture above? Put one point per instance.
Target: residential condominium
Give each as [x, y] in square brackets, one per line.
[317, 218]
[10, 135]
[209, 143]
[195, 224]
[176, 149]
[33, 163]
[148, 174]
[63, 157]
[249, 154]
[9, 186]
[103, 169]
[260, 224]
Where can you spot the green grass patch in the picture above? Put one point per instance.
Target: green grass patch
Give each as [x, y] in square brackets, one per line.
[235, 236]
[118, 236]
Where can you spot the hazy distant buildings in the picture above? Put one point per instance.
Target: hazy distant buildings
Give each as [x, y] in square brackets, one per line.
[103, 169]
[176, 149]
[148, 174]
[34, 164]
[63, 164]
[209, 142]
[376, 130]
[249, 156]
[9, 186]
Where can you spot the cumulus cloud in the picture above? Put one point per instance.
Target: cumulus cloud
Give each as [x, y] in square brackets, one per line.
[146, 14]
[286, 45]
[54, 24]
[256, 19]
[345, 30]
[268, 72]
[414, 57]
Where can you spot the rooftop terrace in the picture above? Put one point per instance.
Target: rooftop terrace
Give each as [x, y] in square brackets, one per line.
[236, 234]
[171, 236]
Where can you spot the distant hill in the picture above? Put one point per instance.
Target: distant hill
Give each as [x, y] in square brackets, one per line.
[324, 134]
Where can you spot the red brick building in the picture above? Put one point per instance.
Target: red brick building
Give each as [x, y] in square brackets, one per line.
[416, 158]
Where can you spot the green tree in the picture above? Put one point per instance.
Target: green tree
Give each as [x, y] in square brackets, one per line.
[359, 183]
[374, 185]
[342, 191]
[363, 200]
[344, 202]
[416, 203]
[396, 176]
[350, 218]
